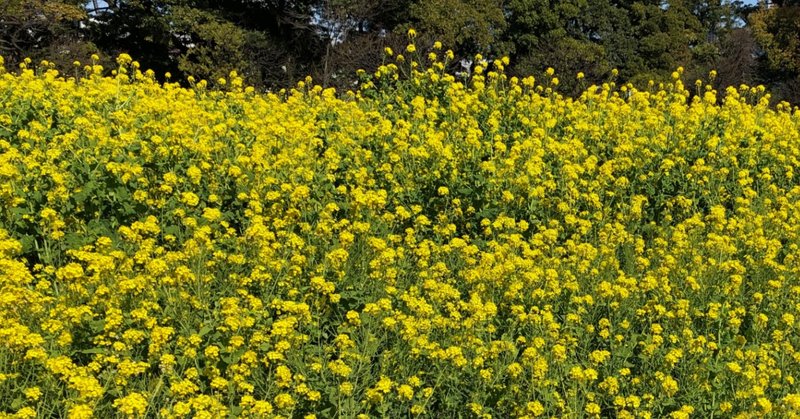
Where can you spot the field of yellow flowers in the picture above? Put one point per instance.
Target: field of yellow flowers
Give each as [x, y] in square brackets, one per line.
[424, 246]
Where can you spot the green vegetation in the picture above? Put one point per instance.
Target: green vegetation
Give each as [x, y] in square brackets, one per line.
[275, 43]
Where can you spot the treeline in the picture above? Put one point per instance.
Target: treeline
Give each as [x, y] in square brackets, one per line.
[274, 43]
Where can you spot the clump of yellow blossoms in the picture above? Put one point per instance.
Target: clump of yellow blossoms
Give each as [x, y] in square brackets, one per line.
[426, 245]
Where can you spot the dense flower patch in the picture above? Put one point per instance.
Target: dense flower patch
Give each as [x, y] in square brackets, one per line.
[424, 246]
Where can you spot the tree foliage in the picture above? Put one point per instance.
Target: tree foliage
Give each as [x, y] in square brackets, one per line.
[266, 40]
[42, 29]
[777, 31]
[274, 43]
[470, 26]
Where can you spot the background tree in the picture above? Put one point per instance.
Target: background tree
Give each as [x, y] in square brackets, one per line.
[358, 31]
[467, 26]
[43, 30]
[267, 41]
[777, 31]
[668, 35]
[274, 43]
[355, 33]
[571, 36]
[738, 61]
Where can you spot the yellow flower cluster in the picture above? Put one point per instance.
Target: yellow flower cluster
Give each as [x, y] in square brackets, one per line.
[423, 245]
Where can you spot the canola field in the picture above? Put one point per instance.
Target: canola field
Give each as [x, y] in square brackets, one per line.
[423, 246]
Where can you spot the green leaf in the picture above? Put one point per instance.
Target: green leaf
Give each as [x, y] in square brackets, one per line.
[101, 351]
[17, 403]
[235, 356]
[172, 229]
[204, 330]
[97, 326]
[28, 243]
